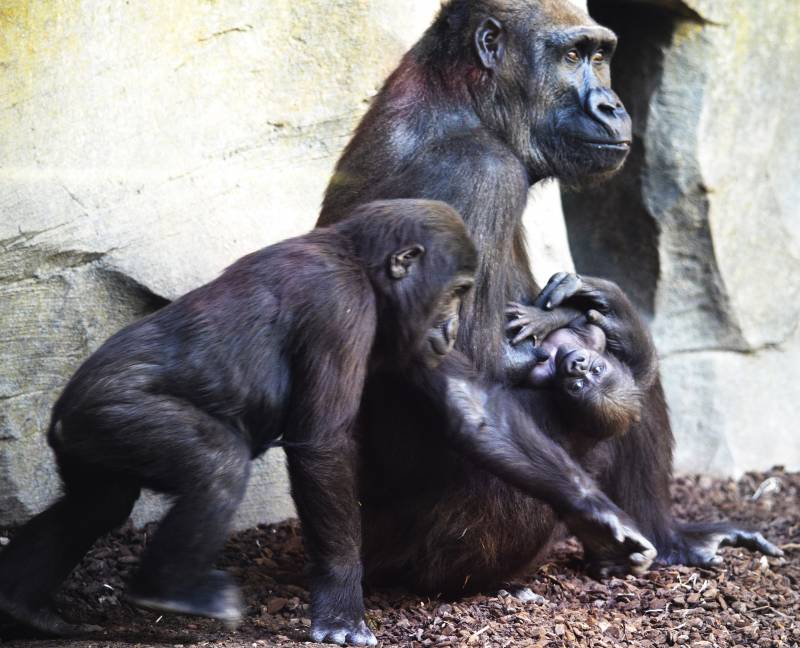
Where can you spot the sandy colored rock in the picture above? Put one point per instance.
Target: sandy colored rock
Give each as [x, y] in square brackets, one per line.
[702, 228]
[144, 149]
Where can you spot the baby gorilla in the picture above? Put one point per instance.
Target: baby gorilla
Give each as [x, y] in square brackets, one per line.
[597, 393]
[275, 350]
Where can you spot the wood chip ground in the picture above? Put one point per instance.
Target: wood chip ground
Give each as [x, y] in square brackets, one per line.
[751, 601]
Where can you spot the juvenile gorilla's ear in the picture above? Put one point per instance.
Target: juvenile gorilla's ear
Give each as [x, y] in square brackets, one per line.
[490, 42]
[401, 262]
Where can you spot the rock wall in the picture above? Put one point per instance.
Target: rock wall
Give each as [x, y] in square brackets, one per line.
[703, 226]
[145, 147]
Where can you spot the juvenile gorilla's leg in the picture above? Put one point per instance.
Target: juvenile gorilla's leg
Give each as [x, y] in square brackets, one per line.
[209, 466]
[176, 573]
[325, 492]
[171, 446]
[48, 547]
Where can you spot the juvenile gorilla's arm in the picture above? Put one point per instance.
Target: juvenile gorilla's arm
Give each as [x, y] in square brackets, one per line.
[490, 427]
[639, 465]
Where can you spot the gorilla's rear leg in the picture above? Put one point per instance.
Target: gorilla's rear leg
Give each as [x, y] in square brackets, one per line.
[168, 444]
[177, 449]
[176, 573]
[44, 551]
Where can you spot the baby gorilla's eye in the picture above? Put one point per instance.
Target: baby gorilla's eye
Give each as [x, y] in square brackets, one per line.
[598, 369]
[576, 386]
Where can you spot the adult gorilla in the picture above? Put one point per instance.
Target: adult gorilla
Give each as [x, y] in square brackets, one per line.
[496, 96]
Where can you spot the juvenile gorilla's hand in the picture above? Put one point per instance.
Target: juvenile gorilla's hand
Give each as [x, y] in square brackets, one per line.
[612, 544]
[699, 544]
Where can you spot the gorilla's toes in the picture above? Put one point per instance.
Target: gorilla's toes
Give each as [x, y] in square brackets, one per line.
[18, 620]
[216, 596]
[343, 633]
[522, 594]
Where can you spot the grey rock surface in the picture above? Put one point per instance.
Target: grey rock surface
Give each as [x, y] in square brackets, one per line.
[703, 226]
[145, 150]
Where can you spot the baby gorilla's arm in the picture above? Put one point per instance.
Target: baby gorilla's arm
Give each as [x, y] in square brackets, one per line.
[628, 337]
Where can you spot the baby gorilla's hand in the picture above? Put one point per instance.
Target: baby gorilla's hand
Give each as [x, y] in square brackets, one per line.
[559, 288]
[608, 325]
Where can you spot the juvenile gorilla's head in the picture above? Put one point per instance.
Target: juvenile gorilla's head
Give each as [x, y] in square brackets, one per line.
[421, 264]
[598, 389]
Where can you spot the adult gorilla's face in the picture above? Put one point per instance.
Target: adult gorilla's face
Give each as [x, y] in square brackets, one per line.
[550, 90]
[585, 131]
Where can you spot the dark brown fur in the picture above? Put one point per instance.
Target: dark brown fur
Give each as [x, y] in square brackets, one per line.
[274, 351]
[474, 116]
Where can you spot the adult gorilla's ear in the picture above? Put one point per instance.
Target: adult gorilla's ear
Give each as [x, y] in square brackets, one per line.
[401, 262]
[490, 42]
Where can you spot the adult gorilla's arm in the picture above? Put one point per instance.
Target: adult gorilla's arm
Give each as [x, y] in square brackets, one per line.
[639, 467]
[491, 428]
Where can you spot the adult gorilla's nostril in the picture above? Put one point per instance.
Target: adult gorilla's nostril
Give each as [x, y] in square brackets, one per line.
[604, 106]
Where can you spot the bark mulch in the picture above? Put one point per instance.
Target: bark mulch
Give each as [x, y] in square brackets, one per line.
[750, 601]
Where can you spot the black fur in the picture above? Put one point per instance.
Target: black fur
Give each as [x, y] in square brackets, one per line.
[474, 116]
[274, 350]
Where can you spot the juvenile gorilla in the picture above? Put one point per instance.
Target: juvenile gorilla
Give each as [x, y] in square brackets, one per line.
[274, 350]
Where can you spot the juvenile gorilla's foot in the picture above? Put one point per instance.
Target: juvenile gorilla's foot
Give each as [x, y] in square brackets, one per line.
[612, 544]
[342, 632]
[699, 544]
[41, 621]
[215, 596]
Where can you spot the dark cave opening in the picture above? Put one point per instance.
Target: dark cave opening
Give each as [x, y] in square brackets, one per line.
[611, 233]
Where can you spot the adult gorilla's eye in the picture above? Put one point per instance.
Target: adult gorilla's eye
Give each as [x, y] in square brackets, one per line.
[599, 56]
[598, 369]
[576, 386]
[573, 56]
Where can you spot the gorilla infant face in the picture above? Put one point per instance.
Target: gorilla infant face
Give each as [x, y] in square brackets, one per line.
[581, 371]
[561, 343]
[593, 387]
